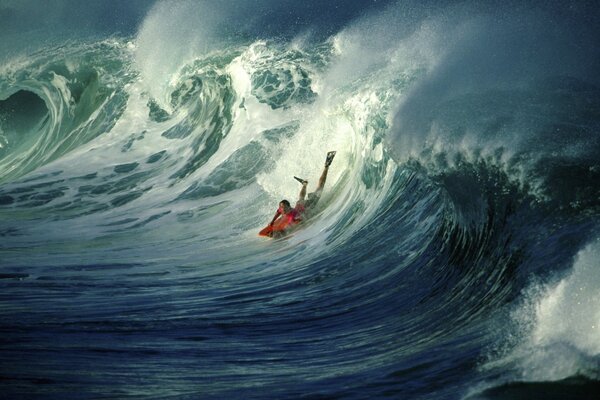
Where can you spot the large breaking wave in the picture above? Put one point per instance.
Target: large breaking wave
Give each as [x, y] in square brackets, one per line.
[452, 255]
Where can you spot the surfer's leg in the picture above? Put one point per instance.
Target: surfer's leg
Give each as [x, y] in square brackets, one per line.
[313, 198]
[323, 177]
[302, 194]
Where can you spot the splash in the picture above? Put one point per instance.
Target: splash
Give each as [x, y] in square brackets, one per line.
[560, 324]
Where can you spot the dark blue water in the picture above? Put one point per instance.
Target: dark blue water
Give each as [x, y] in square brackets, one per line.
[453, 255]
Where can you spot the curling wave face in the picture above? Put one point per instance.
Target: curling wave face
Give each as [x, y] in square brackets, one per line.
[133, 187]
[49, 107]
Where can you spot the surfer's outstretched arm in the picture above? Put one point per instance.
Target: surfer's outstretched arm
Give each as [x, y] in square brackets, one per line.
[277, 214]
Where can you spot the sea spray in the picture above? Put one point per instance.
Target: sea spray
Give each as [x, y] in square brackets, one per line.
[563, 339]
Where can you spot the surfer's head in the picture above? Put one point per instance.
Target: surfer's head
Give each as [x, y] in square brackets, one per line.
[284, 206]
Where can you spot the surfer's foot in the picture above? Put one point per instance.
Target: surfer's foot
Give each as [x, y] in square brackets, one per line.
[329, 158]
[304, 182]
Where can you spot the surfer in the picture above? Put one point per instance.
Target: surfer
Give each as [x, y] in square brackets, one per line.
[290, 216]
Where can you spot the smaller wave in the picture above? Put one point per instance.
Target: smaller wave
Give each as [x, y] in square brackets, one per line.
[51, 105]
[565, 339]
[556, 331]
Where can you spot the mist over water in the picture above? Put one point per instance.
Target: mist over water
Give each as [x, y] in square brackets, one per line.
[453, 253]
[504, 82]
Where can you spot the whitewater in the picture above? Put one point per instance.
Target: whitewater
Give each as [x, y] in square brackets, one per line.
[453, 254]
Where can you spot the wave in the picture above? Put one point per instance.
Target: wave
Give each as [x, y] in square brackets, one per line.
[51, 107]
[565, 314]
[455, 235]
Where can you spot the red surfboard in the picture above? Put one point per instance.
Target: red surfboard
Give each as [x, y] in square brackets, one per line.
[279, 228]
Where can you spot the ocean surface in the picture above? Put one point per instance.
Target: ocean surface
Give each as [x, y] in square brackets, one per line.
[455, 252]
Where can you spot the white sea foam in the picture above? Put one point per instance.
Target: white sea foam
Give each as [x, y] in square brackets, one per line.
[561, 324]
[172, 34]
